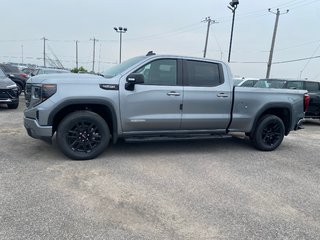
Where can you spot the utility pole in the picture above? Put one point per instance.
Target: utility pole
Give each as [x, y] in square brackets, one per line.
[22, 53]
[278, 13]
[99, 58]
[94, 51]
[209, 21]
[44, 51]
[77, 65]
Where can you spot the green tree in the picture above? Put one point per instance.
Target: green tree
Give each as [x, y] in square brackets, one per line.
[79, 70]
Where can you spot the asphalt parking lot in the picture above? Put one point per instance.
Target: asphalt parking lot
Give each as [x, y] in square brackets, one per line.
[205, 189]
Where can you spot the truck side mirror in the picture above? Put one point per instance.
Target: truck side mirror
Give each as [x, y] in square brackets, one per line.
[132, 79]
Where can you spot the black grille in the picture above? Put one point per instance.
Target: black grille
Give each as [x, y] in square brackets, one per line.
[3, 94]
[13, 93]
[8, 94]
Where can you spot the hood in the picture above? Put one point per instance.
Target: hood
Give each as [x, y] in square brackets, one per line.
[6, 83]
[70, 78]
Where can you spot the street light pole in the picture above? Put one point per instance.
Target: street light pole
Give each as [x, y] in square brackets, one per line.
[94, 51]
[120, 30]
[233, 6]
[44, 51]
[77, 63]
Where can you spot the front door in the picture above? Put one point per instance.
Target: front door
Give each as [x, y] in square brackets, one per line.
[154, 105]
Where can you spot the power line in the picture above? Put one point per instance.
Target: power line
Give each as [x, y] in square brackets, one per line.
[215, 37]
[314, 52]
[297, 60]
[166, 34]
[301, 3]
[296, 46]
[316, 77]
[249, 62]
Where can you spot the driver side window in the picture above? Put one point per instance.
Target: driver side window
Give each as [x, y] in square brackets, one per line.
[160, 72]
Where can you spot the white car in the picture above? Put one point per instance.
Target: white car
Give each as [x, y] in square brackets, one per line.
[245, 82]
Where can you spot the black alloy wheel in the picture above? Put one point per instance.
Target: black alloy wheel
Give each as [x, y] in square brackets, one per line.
[83, 135]
[269, 133]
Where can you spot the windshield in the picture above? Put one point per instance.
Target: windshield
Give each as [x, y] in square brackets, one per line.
[270, 83]
[115, 70]
[237, 81]
[2, 75]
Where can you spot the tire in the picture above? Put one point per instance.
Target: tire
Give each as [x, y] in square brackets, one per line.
[83, 135]
[269, 133]
[13, 105]
[19, 88]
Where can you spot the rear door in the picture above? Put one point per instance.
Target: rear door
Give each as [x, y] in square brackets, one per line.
[207, 96]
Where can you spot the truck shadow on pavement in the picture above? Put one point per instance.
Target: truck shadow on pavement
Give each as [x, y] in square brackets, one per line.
[177, 147]
[311, 122]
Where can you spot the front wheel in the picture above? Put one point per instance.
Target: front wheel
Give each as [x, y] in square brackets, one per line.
[83, 135]
[19, 88]
[269, 133]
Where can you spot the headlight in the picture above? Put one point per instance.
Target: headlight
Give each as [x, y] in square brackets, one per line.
[12, 86]
[39, 93]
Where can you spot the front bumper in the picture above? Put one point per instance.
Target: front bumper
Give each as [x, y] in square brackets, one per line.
[36, 131]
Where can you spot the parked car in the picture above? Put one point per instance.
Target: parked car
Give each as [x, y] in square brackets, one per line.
[15, 75]
[245, 82]
[8, 92]
[156, 97]
[39, 71]
[28, 71]
[312, 87]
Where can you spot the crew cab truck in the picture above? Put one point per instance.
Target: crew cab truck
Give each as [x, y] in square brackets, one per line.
[156, 97]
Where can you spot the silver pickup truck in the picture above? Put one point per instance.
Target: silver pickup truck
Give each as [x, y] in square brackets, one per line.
[156, 97]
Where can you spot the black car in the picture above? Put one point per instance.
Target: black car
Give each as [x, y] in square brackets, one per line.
[8, 92]
[312, 87]
[15, 75]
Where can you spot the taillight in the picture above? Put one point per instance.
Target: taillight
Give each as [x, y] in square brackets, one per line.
[24, 75]
[306, 102]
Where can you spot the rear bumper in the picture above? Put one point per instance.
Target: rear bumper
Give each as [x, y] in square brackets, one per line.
[36, 131]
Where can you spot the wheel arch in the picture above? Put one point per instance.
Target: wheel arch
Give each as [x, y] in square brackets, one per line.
[283, 111]
[103, 108]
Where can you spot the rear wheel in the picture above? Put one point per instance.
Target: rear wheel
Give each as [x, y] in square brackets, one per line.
[269, 133]
[83, 135]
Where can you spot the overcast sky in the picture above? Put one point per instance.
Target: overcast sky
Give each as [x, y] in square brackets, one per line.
[166, 27]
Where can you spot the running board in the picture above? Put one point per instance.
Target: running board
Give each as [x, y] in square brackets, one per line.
[175, 138]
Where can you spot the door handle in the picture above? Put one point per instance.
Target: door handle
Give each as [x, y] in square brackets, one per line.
[172, 93]
[222, 95]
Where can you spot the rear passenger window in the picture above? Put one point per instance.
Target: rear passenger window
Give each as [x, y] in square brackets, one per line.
[312, 86]
[202, 74]
[295, 85]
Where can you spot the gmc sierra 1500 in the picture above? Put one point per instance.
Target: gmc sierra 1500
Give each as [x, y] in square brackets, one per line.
[156, 96]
